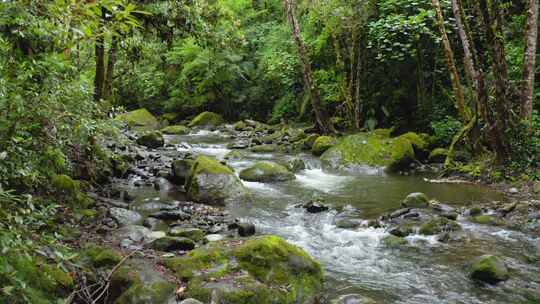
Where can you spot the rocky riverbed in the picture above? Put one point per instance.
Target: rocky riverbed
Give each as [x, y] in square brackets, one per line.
[250, 213]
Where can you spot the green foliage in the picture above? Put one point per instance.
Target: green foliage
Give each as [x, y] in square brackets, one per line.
[444, 130]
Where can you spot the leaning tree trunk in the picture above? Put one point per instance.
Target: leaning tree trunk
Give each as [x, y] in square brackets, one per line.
[323, 122]
[529, 60]
[451, 64]
[107, 90]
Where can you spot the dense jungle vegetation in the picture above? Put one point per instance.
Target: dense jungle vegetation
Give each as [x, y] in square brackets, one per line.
[463, 71]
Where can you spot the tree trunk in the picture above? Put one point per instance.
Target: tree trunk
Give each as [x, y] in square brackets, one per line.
[321, 117]
[450, 62]
[529, 60]
[107, 90]
[99, 79]
[467, 52]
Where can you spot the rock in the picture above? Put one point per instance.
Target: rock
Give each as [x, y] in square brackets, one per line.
[315, 207]
[155, 293]
[139, 118]
[438, 155]
[135, 233]
[213, 183]
[439, 225]
[266, 172]
[207, 119]
[415, 200]
[394, 241]
[246, 229]
[171, 215]
[102, 256]
[124, 216]
[194, 234]
[262, 266]
[399, 212]
[151, 140]
[153, 223]
[175, 130]
[401, 231]
[264, 148]
[191, 301]
[347, 223]
[241, 126]
[170, 243]
[213, 237]
[180, 170]
[128, 198]
[234, 155]
[369, 149]
[513, 190]
[296, 165]
[474, 211]
[486, 220]
[489, 269]
[308, 142]
[321, 144]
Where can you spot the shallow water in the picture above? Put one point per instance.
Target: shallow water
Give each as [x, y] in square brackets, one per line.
[355, 261]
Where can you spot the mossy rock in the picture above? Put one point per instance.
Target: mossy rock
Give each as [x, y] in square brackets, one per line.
[101, 256]
[489, 269]
[415, 200]
[264, 148]
[439, 225]
[169, 117]
[194, 234]
[296, 165]
[438, 155]
[486, 220]
[175, 130]
[170, 243]
[156, 293]
[263, 270]
[65, 184]
[241, 126]
[139, 118]
[206, 119]
[266, 172]
[321, 144]
[180, 170]
[234, 155]
[214, 183]
[363, 149]
[383, 133]
[152, 140]
[393, 241]
[309, 141]
[122, 279]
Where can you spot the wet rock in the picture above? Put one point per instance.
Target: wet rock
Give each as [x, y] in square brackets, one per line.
[155, 293]
[401, 231]
[153, 223]
[101, 256]
[246, 229]
[241, 144]
[128, 197]
[180, 170]
[394, 241]
[139, 118]
[439, 225]
[175, 130]
[321, 144]
[315, 207]
[399, 212]
[151, 140]
[194, 234]
[486, 220]
[489, 269]
[296, 165]
[124, 216]
[191, 301]
[234, 155]
[264, 148]
[206, 119]
[169, 243]
[155, 206]
[213, 183]
[415, 200]
[347, 223]
[171, 215]
[513, 191]
[266, 172]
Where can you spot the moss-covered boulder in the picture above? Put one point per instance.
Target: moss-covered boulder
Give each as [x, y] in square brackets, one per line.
[194, 234]
[151, 140]
[264, 148]
[155, 293]
[180, 170]
[170, 243]
[139, 118]
[485, 219]
[100, 256]
[265, 269]
[207, 119]
[393, 241]
[321, 144]
[241, 126]
[370, 149]
[439, 225]
[175, 130]
[489, 269]
[296, 165]
[266, 172]
[415, 200]
[308, 142]
[213, 183]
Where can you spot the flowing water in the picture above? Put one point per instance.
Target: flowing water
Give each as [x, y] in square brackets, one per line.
[355, 261]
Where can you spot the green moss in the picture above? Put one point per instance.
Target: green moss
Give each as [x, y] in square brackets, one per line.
[200, 259]
[486, 220]
[264, 148]
[321, 144]
[309, 141]
[159, 293]
[438, 155]
[394, 241]
[175, 130]
[206, 119]
[369, 149]
[234, 155]
[241, 126]
[438, 225]
[153, 139]
[489, 269]
[194, 234]
[266, 172]
[65, 184]
[169, 117]
[139, 118]
[101, 256]
[418, 141]
[59, 276]
[383, 133]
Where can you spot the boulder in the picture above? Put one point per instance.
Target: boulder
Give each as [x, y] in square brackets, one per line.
[489, 269]
[151, 140]
[155, 293]
[370, 149]
[246, 229]
[207, 119]
[321, 144]
[139, 118]
[194, 234]
[263, 269]
[125, 217]
[213, 183]
[102, 256]
[169, 243]
[264, 148]
[439, 225]
[266, 172]
[315, 207]
[296, 165]
[415, 200]
[175, 130]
